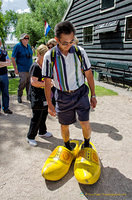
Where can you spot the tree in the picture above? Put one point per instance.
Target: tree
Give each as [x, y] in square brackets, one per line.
[11, 18]
[8, 20]
[2, 23]
[32, 23]
[27, 24]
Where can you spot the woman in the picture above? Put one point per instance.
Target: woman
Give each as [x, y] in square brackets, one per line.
[38, 100]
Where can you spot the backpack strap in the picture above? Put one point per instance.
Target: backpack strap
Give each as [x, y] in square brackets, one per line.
[53, 56]
[78, 52]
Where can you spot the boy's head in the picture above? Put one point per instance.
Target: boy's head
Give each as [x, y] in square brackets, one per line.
[65, 27]
[65, 32]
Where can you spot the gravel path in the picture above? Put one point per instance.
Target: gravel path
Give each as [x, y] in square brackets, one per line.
[20, 164]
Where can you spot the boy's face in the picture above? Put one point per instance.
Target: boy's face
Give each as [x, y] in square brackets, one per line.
[65, 41]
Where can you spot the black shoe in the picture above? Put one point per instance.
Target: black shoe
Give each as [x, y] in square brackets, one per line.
[8, 111]
[19, 100]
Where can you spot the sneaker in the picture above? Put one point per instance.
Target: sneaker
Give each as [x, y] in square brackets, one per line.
[8, 111]
[32, 142]
[47, 134]
[19, 100]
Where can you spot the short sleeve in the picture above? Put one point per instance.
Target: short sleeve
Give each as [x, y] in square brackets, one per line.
[35, 71]
[47, 69]
[86, 62]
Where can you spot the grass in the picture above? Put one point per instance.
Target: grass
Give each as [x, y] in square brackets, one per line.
[100, 91]
[10, 55]
[13, 86]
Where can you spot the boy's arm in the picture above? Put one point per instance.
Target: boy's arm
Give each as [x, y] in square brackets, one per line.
[91, 84]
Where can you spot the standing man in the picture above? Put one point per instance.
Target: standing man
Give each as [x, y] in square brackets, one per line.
[4, 82]
[22, 60]
[71, 93]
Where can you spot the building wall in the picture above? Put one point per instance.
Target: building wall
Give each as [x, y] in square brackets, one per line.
[108, 46]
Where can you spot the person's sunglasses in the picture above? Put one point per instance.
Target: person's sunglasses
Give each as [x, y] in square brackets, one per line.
[50, 46]
[26, 38]
[66, 43]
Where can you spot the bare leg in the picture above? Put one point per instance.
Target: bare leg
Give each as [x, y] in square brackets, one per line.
[86, 129]
[65, 132]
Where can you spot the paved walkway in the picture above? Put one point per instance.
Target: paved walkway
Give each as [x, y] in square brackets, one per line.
[20, 164]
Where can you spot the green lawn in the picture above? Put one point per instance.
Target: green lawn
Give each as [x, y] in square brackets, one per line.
[10, 54]
[100, 91]
[13, 86]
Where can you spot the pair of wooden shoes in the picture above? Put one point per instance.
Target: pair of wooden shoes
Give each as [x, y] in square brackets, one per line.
[87, 167]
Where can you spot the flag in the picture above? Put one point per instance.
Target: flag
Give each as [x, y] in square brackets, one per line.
[47, 28]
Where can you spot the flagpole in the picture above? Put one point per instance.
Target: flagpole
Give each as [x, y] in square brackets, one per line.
[47, 28]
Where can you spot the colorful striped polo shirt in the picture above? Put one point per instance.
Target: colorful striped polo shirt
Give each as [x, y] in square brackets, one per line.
[67, 70]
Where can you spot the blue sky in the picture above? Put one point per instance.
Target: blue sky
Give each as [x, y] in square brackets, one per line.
[16, 5]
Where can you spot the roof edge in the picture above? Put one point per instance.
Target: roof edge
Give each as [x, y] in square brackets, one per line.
[70, 4]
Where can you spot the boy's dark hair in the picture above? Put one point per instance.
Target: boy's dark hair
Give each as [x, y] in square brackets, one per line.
[65, 27]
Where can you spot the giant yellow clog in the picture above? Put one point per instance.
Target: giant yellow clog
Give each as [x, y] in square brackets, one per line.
[87, 166]
[59, 161]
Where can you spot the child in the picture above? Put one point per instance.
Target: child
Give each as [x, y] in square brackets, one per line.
[38, 101]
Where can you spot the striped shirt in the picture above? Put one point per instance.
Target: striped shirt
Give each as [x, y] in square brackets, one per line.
[67, 70]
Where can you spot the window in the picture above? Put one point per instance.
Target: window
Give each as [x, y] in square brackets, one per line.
[106, 4]
[128, 33]
[88, 35]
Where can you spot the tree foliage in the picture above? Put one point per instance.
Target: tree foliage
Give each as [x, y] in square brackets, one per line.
[11, 18]
[27, 24]
[2, 24]
[32, 23]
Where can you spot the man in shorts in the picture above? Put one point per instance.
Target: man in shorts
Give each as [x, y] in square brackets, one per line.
[71, 90]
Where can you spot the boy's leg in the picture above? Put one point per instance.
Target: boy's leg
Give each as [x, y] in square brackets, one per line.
[65, 135]
[86, 129]
[65, 132]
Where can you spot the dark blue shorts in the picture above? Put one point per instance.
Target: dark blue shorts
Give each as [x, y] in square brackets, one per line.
[68, 104]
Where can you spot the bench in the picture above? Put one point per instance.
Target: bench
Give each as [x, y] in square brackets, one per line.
[12, 72]
[94, 63]
[115, 70]
[128, 80]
